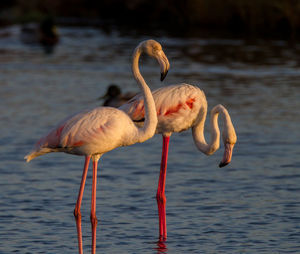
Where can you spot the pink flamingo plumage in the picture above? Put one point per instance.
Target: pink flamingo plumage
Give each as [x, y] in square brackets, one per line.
[180, 107]
[94, 132]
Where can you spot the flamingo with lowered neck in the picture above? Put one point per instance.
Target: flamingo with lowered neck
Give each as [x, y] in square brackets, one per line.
[94, 132]
[180, 107]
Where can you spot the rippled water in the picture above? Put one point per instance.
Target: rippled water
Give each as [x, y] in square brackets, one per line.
[250, 206]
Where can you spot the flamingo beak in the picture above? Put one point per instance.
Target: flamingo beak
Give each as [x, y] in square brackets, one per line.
[227, 155]
[163, 75]
[164, 65]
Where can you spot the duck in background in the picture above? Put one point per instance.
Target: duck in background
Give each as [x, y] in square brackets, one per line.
[114, 97]
[45, 33]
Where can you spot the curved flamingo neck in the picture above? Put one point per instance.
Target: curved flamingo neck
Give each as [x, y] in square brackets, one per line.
[149, 127]
[198, 129]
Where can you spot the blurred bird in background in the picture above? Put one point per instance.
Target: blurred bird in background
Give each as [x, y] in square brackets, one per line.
[43, 33]
[114, 97]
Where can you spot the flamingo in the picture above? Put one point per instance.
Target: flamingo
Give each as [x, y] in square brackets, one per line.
[180, 107]
[92, 133]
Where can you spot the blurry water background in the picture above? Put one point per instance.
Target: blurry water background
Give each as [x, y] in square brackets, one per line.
[250, 206]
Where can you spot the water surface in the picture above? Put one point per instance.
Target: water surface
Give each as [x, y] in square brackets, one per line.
[250, 206]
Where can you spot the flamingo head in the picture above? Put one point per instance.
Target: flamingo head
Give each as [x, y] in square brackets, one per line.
[229, 139]
[154, 49]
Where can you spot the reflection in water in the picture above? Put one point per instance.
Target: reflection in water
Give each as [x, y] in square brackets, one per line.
[161, 247]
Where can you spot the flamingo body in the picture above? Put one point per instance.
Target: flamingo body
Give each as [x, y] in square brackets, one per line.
[177, 107]
[92, 132]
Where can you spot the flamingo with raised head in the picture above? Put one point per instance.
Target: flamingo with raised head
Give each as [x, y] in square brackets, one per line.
[94, 132]
[180, 107]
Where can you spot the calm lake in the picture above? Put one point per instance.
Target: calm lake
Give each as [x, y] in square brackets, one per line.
[250, 206]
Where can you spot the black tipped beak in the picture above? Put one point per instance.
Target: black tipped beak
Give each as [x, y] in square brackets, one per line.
[163, 75]
[223, 164]
[227, 155]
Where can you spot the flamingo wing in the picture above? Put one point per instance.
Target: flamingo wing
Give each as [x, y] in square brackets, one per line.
[96, 131]
[177, 107]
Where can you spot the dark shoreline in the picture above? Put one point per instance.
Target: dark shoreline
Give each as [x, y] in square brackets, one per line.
[191, 18]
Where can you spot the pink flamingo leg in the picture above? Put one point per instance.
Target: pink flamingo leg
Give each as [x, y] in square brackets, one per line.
[94, 220]
[160, 195]
[77, 212]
